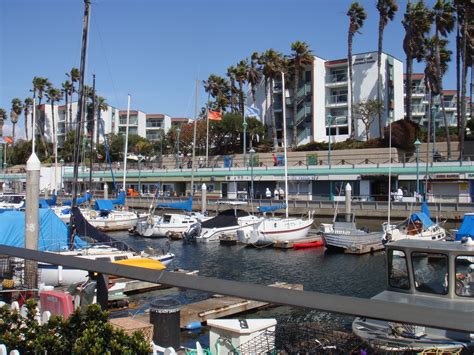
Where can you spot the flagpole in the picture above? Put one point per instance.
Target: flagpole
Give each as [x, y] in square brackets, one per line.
[207, 130]
[194, 135]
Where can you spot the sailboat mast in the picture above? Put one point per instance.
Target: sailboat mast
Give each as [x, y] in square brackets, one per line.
[92, 132]
[389, 172]
[126, 145]
[194, 134]
[33, 128]
[80, 101]
[284, 140]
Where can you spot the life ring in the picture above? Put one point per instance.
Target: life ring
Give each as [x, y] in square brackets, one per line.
[93, 214]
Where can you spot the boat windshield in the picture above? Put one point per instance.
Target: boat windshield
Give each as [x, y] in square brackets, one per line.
[398, 270]
[465, 276]
[11, 198]
[430, 272]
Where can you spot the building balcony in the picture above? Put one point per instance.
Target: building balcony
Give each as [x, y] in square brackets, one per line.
[153, 136]
[336, 121]
[336, 101]
[303, 91]
[335, 80]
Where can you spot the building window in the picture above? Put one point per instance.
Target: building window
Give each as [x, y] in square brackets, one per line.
[307, 76]
[133, 121]
[131, 130]
[154, 122]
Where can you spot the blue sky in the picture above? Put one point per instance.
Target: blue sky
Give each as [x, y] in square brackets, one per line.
[156, 49]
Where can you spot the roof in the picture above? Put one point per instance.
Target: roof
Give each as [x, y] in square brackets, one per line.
[124, 112]
[174, 119]
[432, 246]
[415, 76]
[155, 115]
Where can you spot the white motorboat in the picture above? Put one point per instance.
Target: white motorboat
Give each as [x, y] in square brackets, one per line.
[58, 275]
[168, 224]
[418, 226]
[115, 220]
[424, 273]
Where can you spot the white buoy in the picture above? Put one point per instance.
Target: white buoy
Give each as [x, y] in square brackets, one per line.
[33, 167]
[348, 202]
[203, 198]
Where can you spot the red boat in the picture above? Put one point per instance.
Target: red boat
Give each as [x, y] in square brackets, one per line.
[315, 244]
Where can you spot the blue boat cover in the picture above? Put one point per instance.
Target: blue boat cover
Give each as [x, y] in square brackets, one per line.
[43, 203]
[80, 200]
[264, 209]
[423, 218]
[108, 205]
[425, 209]
[53, 233]
[51, 201]
[185, 206]
[467, 227]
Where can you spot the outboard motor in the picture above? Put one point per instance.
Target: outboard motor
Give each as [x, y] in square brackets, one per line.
[193, 231]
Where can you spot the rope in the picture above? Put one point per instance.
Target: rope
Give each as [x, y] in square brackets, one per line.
[107, 153]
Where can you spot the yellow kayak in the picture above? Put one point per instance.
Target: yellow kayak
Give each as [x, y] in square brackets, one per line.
[145, 263]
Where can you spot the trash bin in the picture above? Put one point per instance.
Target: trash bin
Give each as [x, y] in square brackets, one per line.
[165, 317]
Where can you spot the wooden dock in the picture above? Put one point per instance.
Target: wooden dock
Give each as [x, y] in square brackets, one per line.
[365, 248]
[218, 307]
[313, 236]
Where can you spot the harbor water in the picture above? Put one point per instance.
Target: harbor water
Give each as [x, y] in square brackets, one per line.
[315, 269]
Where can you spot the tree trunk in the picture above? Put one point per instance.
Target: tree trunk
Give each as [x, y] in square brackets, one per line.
[379, 74]
[351, 95]
[26, 112]
[441, 96]
[408, 87]
[69, 125]
[295, 103]
[13, 132]
[65, 115]
[241, 98]
[272, 109]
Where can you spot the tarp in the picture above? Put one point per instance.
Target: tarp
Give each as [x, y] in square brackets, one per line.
[423, 218]
[53, 233]
[86, 230]
[425, 209]
[185, 206]
[104, 205]
[51, 201]
[467, 227]
[80, 200]
[264, 209]
[43, 203]
[108, 205]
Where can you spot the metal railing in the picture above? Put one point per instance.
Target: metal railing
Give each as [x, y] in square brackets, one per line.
[336, 78]
[337, 99]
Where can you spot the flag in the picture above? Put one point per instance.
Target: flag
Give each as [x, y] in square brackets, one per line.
[214, 115]
[9, 140]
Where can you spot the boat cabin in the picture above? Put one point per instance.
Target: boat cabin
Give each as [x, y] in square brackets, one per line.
[441, 269]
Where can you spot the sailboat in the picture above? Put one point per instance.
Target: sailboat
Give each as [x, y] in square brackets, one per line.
[272, 229]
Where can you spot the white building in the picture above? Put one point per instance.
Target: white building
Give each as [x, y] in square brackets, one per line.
[323, 98]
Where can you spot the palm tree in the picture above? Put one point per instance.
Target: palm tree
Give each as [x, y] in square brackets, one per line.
[67, 89]
[254, 74]
[53, 95]
[301, 56]
[101, 105]
[218, 88]
[74, 75]
[3, 114]
[417, 23]
[241, 77]
[387, 10]
[357, 17]
[233, 88]
[272, 65]
[431, 78]
[443, 15]
[17, 108]
[27, 108]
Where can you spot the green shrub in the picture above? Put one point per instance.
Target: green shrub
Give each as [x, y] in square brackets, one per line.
[81, 333]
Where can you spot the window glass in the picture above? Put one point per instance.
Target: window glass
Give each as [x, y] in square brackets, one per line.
[430, 272]
[465, 276]
[398, 270]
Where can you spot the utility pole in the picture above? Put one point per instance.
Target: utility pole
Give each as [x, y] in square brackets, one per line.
[194, 135]
[33, 167]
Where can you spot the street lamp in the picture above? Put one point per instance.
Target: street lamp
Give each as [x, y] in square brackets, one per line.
[178, 131]
[330, 120]
[62, 172]
[244, 124]
[161, 151]
[252, 152]
[417, 147]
